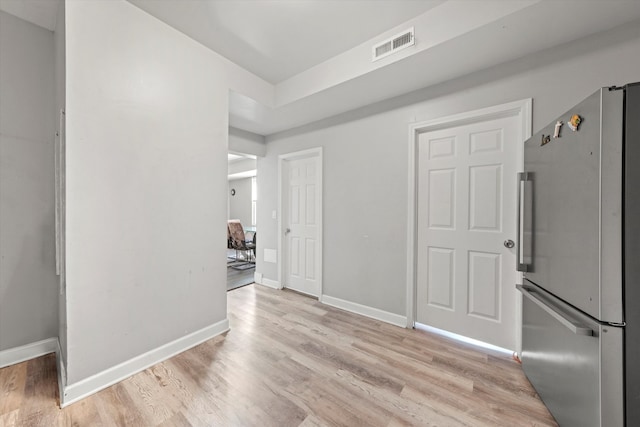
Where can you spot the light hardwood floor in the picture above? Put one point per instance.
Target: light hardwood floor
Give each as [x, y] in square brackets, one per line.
[292, 361]
[237, 278]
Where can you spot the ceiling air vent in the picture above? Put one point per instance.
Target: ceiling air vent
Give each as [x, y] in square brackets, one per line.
[394, 44]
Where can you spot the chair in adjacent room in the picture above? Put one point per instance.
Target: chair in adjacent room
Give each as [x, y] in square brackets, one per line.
[241, 242]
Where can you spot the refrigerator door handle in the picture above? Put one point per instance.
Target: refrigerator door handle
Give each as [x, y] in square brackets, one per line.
[523, 178]
[575, 327]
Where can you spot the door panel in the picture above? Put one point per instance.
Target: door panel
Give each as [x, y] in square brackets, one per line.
[484, 284]
[302, 239]
[440, 281]
[466, 211]
[442, 206]
[294, 263]
[485, 206]
[485, 141]
[310, 252]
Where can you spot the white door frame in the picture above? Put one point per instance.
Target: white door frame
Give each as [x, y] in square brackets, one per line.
[521, 109]
[297, 155]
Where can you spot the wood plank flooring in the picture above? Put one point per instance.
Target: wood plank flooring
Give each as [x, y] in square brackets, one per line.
[292, 361]
[239, 278]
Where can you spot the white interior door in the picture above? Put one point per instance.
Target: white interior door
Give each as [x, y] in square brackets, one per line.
[301, 225]
[466, 218]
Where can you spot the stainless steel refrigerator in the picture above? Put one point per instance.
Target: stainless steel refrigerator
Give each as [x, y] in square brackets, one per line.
[579, 251]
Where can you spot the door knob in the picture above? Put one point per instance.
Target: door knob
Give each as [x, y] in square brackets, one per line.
[509, 243]
[287, 231]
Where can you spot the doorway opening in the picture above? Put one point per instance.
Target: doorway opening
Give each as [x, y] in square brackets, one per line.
[241, 219]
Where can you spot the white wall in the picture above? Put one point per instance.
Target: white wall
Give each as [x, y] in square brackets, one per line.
[243, 166]
[28, 283]
[365, 158]
[240, 203]
[243, 142]
[147, 129]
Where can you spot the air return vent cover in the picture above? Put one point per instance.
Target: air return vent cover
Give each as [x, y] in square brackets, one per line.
[394, 44]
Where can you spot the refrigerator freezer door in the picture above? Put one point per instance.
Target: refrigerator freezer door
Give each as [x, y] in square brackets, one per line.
[572, 208]
[578, 375]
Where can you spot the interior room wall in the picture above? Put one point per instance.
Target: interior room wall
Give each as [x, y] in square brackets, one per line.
[147, 131]
[242, 166]
[366, 155]
[240, 203]
[244, 142]
[28, 282]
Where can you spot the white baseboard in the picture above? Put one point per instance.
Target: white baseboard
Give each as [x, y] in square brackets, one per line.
[257, 277]
[29, 351]
[76, 391]
[260, 280]
[271, 283]
[363, 310]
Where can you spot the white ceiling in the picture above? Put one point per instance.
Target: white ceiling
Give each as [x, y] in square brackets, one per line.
[233, 157]
[316, 54]
[452, 41]
[40, 12]
[277, 39]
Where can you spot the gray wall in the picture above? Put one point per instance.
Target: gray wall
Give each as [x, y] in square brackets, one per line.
[366, 155]
[240, 203]
[243, 142]
[146, 185]
[242, 166]
[28, 283]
